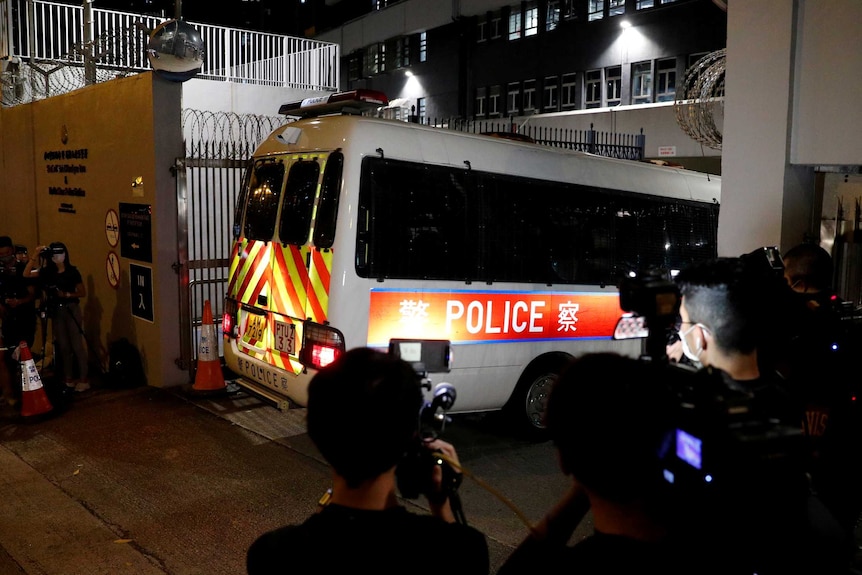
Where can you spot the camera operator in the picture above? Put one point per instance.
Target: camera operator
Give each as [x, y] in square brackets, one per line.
[822, 361]
[18, 312]
[62, 289]
[727, 308]
[608, 417]
[362, 415]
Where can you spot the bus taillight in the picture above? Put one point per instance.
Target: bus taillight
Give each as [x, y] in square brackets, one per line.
[228, 319]
[321, 345]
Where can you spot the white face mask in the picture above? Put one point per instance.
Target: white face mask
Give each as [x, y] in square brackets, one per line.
[58, 258]
[692, 355]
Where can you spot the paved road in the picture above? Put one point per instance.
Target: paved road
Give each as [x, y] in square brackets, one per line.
[159, 481]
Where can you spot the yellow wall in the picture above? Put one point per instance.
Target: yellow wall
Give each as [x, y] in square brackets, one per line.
[117, 132]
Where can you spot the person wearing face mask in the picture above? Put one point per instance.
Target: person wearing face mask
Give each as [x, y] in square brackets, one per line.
[727, 312]
[822, 359]
[63, 288]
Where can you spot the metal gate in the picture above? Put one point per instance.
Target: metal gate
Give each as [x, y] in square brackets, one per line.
[218, 146]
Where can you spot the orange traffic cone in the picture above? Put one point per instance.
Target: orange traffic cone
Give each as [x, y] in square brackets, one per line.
[34, 400]
[208, 376]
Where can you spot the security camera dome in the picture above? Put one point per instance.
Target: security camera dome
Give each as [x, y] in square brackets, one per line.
[175, 50]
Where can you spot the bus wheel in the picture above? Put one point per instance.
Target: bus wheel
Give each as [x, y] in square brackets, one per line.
[526, 406]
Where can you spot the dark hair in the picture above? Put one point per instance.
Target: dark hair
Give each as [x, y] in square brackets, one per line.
[55, 248]
[610, 418]
[363, 412]
[809, 263]
[731, 302]
[5, 242]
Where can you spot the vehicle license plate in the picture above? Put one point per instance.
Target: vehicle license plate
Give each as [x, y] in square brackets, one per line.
[285, 337]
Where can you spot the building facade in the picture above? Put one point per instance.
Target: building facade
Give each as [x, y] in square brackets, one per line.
[492, 59]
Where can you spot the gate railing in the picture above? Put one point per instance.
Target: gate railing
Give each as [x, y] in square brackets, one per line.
[39, 31]
[610, 144]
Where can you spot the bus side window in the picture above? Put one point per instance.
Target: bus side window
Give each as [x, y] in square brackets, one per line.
[264, 189]
[299, 196]
[327, 208]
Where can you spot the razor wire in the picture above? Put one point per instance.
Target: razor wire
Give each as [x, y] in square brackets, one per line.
[29, 80]
[225, 135]
[699, 96]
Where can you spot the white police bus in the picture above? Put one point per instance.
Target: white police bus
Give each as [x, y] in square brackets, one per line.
[351, 231]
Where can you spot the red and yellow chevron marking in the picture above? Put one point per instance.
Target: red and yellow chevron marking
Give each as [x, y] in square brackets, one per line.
[294, 290]
[318, 283]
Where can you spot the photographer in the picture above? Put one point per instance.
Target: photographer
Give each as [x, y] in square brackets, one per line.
[608, 416]
[18, 313]
[62, 289]
[363, 412]
[821, 359]
[728, 308]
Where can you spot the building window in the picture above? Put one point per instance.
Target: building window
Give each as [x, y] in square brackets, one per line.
[569, 91]
[423, 46]
[481, 97]
[569, 9]
[593, 89]
[642, 83]
[595, 10]
[494, 101]
[420, 109]
[372, 60]
[496, 26]
[402, 52]
[529, 97]
[644, 4]
[513, 99]
[551, 91]
[666, 80]
[614, 85]
[482, 30]
[354, 66]
[552, 17]
[531, 19]
[515, 23]
[616, 7]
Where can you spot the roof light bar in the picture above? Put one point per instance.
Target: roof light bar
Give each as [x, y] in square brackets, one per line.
[352, 102]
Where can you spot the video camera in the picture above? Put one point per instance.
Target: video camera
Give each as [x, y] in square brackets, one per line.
[722, 432]
[415, 470]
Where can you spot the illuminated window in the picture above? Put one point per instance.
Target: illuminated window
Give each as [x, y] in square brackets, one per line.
[552, 18]
[642, 83]
[423, 46]
[595, 10]
[614, 85]
[616, 7]
[531, 19]
[515, 23]
[644, 4]
[666, 80]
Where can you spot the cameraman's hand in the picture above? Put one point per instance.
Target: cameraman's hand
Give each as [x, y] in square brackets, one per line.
[439, 500]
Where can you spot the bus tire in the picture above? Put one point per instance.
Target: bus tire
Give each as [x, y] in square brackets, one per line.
[526, 406]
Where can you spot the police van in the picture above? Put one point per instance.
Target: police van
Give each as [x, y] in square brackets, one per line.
[353, 231]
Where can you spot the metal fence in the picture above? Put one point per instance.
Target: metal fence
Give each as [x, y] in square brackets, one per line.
[39, 31]
[611, 144]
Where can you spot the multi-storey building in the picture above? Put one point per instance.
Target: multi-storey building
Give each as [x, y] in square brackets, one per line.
[493, 59]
